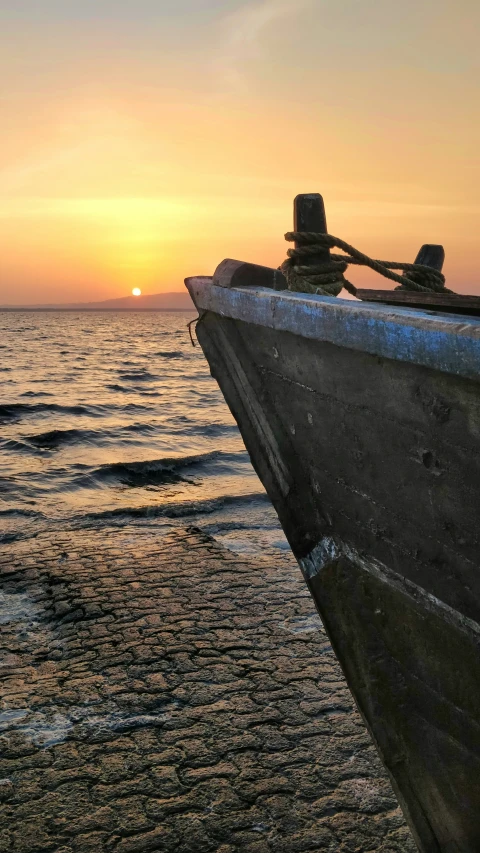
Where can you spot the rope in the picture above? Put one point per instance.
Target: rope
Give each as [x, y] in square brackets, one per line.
[327, 278]
[189, 327]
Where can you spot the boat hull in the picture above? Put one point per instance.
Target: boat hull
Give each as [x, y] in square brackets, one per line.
[371, 462]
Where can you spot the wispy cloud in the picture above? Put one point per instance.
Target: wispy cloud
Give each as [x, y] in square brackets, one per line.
[243, 36]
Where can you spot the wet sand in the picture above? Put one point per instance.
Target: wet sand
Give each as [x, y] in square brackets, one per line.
[160, 693]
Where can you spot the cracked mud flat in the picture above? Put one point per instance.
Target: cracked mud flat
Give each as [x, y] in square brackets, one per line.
[163, 694]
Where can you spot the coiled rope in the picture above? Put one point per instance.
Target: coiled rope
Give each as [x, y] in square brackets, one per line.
[327, 278]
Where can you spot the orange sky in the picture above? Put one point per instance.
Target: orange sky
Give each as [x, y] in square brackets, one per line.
[143, 144]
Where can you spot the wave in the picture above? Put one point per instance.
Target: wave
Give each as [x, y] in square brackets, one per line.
[13, 446]
[182, 509]
[18, 523]
[36, 394]
[120, 388]
[210, 430]
[138, 376]
[139, 474]
[140, 428]
[11, 536]
[170, 354]
[15, 411]
[21, 513]
[8, 484]
[55, 438]
[153, 472]
[135, 407]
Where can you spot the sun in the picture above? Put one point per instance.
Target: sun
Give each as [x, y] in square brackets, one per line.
[136, 291]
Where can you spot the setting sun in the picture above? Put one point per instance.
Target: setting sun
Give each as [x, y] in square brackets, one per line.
[136, 291]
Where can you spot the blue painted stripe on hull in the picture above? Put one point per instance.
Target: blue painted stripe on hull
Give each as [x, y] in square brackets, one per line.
[448, 343]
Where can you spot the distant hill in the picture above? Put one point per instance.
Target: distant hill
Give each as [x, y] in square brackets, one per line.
[174, 301]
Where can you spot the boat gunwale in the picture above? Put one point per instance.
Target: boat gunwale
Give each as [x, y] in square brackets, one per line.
[445, 342]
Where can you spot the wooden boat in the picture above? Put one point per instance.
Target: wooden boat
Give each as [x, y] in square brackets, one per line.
[362, 419]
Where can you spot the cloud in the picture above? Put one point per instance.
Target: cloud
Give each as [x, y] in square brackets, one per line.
[243, 35]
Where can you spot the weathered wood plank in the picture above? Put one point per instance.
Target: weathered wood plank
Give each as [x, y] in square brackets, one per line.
[451, 302]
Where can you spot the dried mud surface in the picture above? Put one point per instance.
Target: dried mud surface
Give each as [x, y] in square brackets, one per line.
[164, 694]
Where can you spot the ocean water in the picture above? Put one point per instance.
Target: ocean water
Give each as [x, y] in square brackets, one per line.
[113, 419]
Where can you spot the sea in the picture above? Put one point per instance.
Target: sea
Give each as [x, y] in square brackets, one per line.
[112, 420]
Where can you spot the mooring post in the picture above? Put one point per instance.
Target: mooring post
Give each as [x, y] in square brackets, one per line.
[309, 215]
[431, 255]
